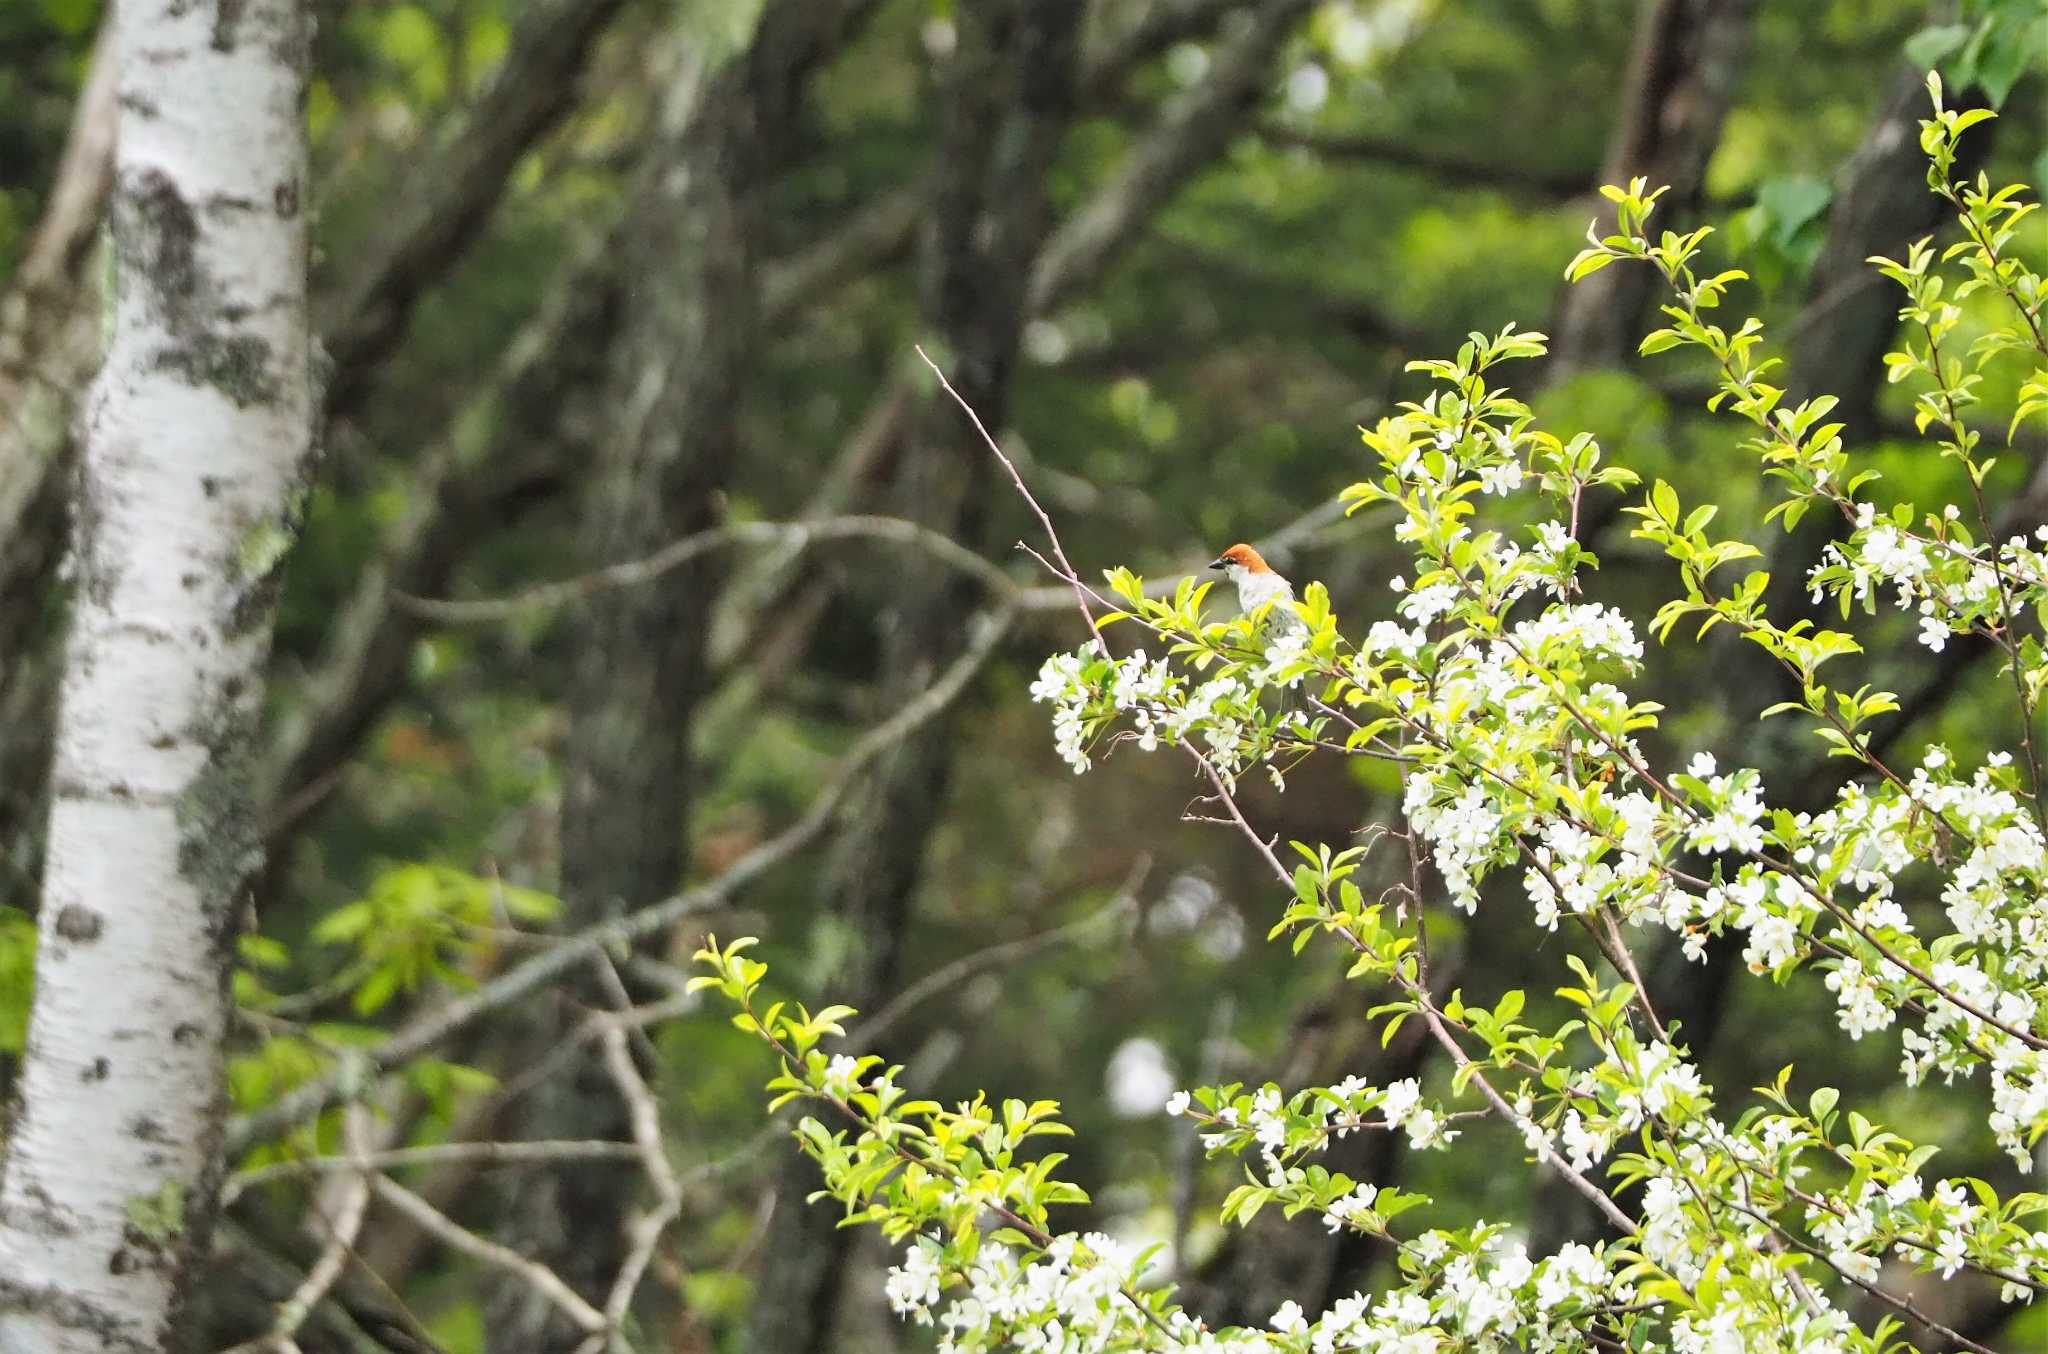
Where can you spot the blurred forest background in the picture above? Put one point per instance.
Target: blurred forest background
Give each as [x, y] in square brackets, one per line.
[592, 276]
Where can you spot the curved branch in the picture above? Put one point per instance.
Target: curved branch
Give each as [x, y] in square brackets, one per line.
[798, 536]
[1186, 139]
[535, 86]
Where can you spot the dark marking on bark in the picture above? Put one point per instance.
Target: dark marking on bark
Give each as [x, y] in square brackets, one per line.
[78, 923]
[75, 1312]
[210, 485]
[185, 1033]
[98, 1071]
[97, 569]
[43, 1216]
[218, 844]
[164, 742]
[227, 17]
[237, 365]
[285, 197]
[167, 239]
[228, 204]
[148, 1128]
[140, 106]
[121, 1262]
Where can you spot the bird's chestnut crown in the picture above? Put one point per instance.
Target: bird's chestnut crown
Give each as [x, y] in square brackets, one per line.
[1244, 555]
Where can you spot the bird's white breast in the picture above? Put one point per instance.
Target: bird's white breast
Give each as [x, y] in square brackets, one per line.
[1255, 590]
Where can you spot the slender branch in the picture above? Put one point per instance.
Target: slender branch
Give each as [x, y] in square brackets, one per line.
[872, 1030]
[1053, 536]
[1897, 1303]
[630, 573]
[486, 1153]
[457, 1237]
[343, 1228]
[647, 1229]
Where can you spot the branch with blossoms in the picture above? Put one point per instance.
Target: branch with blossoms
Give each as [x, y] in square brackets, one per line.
[1498, 692]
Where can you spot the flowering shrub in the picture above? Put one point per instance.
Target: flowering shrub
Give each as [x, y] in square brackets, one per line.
[1500, 696]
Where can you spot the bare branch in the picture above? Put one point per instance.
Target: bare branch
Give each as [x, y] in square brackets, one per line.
[1080, 597]
[343, 1229]
[648, 1227]
[457, 1237]
[486, 1153]
[1458, 168]
[798, 536]
[537, 83]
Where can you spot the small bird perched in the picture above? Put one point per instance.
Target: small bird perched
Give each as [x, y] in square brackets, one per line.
[1258, 585]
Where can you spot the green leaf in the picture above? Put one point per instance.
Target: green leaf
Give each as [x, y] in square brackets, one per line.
[1935, 44]
[377, 989]
[1792, 201]
[343, 924]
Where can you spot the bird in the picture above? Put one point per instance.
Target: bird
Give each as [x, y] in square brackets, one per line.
[1258, 585]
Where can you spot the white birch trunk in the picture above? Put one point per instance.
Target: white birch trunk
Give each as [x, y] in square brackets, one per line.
[195, 449]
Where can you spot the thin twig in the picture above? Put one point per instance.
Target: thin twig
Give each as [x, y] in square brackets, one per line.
[1080, 598]
[877, 1026]
[457, 1237]
[647, 1229]
[343, 1228]
[484, 1153]
[630, 573]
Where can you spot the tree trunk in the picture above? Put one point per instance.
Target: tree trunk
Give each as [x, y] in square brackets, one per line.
[194, 455]
[1007, 101]
[1681, 79]
[686, 336]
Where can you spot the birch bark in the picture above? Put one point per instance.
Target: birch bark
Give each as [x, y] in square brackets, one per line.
[196, 445]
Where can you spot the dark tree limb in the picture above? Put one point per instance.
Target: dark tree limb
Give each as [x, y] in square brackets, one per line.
[1189, 135]
[1008, 98]
[535, 86]
[1454, 168]
[515, 430]
[1681, 78]
[676, 374]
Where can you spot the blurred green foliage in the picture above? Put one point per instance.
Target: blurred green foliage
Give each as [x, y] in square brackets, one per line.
[1207, 388]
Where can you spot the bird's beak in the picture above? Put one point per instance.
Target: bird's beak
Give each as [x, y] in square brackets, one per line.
[1220, 564]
